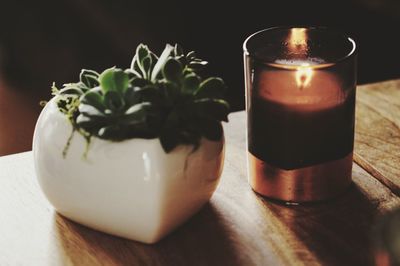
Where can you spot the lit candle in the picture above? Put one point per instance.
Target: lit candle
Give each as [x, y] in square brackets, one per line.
[300, 118]
[300, 124]
[304, 88]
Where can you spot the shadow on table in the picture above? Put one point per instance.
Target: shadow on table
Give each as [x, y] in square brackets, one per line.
[203, 240]
[338, 231]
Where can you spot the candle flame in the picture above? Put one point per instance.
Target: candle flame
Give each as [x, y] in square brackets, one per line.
[297, 39]
[304, 74]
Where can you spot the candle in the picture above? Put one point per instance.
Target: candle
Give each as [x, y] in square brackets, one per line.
[296, 124]
[300, 118]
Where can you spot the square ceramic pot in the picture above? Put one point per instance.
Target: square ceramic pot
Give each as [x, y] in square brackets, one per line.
[131, 188]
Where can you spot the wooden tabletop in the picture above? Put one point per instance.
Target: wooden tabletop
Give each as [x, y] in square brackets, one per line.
[237, 227]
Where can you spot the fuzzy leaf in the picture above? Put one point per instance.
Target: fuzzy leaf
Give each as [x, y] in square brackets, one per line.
[197, 65]
[82, 120]
[142, 51]
[132, 74]
[215, 109]
[110, 132]
[88, 122]
[191, 83]
[161, 98]
[211, 88]
[139, 82]
[161, 61]
[149, 93]
[146, 64]
[93, 98]
[71, 89]
[140, 107]
[191, 55]
[135, 114]
[114, 79]
[178, 50]
[131, 96]
[135, 67]
[172, 120]
[169, 139]
[89, 78]
[113, 100]
[172, 70]
[181, 59]
[171, 92]
[89, 110]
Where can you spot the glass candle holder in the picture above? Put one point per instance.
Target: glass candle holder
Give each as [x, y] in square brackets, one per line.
[300, 103]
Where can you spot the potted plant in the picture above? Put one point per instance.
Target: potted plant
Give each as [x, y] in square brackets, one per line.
[133, 152]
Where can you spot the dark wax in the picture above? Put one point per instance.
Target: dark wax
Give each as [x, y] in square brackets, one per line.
[289, 138]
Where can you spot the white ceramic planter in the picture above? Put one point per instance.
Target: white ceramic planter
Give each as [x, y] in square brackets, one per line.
[132, 188]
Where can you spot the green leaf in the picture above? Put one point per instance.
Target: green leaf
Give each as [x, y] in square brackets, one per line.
[136, 114]
[197, 65]
[110, 132]
[89, 78]
[142, 51]
[82, 120]
[191, 83]
[139, 82]
[171, 92]
[178, 50]
[71, 89]
[131, 96]
[113, 100]
[154, 60]
[83, 87]
[189, 137]
[88, 122]
[137, 108]
[89, 110]
[135, 67]
[211, 88]
[191, 55]
[187, 71]
[114, 79]
[161, 61]
[169, 139]
[133, 74]
[93, 98]
[161, 98]
[215, 109]
[79, 86]
[172, 120]
[146, 64]
[149, 93]
[172, 70]
[182, 59]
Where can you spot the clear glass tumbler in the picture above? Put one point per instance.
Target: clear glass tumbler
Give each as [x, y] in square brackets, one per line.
[300, 102]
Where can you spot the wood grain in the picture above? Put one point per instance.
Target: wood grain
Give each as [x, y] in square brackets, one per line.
[237, 227]
[332, 233]
[377, 140]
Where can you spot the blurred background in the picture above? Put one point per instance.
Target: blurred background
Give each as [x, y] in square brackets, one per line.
[46, 41]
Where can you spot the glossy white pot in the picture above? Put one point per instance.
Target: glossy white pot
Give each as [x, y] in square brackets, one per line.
[132, 188]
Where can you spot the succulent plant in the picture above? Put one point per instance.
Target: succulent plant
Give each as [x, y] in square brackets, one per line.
[157, 97]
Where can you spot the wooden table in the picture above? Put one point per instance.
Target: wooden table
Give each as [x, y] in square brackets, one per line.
[237, 227]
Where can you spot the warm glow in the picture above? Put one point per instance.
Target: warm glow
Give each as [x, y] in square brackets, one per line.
[297, 39]
[297, 42]
[303, 75]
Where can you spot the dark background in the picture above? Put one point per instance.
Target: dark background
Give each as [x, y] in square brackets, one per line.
[46, 41]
